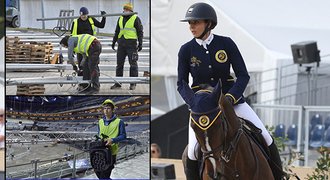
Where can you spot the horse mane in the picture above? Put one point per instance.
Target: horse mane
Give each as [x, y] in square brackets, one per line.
[227, 107]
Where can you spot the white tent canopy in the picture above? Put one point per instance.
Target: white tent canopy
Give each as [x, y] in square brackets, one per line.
[263, 30]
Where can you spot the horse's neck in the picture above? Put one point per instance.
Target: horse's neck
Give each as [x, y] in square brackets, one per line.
[233, 121]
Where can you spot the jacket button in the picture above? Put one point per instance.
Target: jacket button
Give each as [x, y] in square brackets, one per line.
[212, 79]
[207, 52]
[210, 66]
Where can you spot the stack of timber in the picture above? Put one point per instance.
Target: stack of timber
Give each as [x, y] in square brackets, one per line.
[27, 52]
[33, 89]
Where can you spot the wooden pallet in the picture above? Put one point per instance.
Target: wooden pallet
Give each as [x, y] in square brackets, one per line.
[33, 89]
[28, 52]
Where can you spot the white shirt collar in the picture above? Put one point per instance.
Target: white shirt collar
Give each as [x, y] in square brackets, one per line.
[207, 41]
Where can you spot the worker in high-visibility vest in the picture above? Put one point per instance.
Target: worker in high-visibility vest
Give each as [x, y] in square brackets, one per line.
[111, 126]
[90, 48]
[128, 32]
[85, 25]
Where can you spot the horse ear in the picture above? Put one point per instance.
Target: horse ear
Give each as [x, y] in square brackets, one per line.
[186, 93]
[217, 91]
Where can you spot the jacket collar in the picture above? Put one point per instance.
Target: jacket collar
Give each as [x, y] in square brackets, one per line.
[207, 41]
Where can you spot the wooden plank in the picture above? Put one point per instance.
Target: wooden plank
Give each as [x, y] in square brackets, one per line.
[54, 60]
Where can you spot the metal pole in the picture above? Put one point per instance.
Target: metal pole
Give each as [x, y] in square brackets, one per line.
[308, 85]
[95, 15]
[35, 167]
[306, 137]
[299, 138]
[43, 13]
[19, 10]
[74, 164]
[279, 82]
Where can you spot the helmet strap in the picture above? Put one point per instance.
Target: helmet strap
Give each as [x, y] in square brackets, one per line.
[206, 30]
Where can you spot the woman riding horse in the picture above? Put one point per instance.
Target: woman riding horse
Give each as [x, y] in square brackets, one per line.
[208, 57]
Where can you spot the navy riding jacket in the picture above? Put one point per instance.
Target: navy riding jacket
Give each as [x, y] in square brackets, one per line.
[207, 66]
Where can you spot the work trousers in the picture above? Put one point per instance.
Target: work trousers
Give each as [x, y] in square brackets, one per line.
[91, 69]
[130, 51]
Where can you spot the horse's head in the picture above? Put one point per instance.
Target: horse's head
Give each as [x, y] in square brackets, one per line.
[205, 120]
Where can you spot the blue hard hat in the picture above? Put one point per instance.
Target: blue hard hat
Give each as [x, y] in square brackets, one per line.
[83, 11]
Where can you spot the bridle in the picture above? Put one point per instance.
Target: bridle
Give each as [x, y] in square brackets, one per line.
[224, 151]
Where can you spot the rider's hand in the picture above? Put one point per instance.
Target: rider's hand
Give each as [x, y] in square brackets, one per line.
[230, 99]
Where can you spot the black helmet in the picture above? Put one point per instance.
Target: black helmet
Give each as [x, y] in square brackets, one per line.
[201, 11]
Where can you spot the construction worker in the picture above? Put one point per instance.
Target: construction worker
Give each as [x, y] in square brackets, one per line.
[114, 128]
[85, 25]
[90, 48]
[129, 30]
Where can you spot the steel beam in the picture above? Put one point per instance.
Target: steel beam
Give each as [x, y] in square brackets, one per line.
[61, 67]
[95, 15]
[74, 80]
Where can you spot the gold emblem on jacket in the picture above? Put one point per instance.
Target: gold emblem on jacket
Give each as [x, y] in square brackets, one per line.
[221, 56]
[195, 61]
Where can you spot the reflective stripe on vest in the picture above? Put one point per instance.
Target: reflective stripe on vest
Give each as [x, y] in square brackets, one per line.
[84, 42]
[75, 26]
[129, 30]
[112, 131]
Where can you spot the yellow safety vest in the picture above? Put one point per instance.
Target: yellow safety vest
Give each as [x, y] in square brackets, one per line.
[84, 42]
[129, 30]
[112, 131]
[75, 26]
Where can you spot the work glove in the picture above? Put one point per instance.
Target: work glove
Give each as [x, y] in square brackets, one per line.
[103, 13]
[80, 73]
[75, 68]
[113, 45]
[139, 48]
[230, 99]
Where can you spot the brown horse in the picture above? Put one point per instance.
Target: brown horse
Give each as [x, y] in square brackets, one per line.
[227, 151]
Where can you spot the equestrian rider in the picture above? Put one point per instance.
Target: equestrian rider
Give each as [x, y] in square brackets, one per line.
[208, 58]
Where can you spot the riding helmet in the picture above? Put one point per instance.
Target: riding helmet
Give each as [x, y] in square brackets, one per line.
[201, 11]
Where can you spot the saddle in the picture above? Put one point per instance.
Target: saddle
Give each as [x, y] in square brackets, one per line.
[255, 134]
[100, 155]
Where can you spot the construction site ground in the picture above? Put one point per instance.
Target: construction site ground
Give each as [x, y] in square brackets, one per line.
[107, 57]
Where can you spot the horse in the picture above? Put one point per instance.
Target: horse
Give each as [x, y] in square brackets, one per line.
[228, 152]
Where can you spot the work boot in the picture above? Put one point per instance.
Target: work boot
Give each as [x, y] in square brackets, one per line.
[116, 86]
[132, 86]
[275, 162]
[191, 170]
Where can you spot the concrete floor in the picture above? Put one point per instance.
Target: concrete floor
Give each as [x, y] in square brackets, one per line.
[108, 57]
